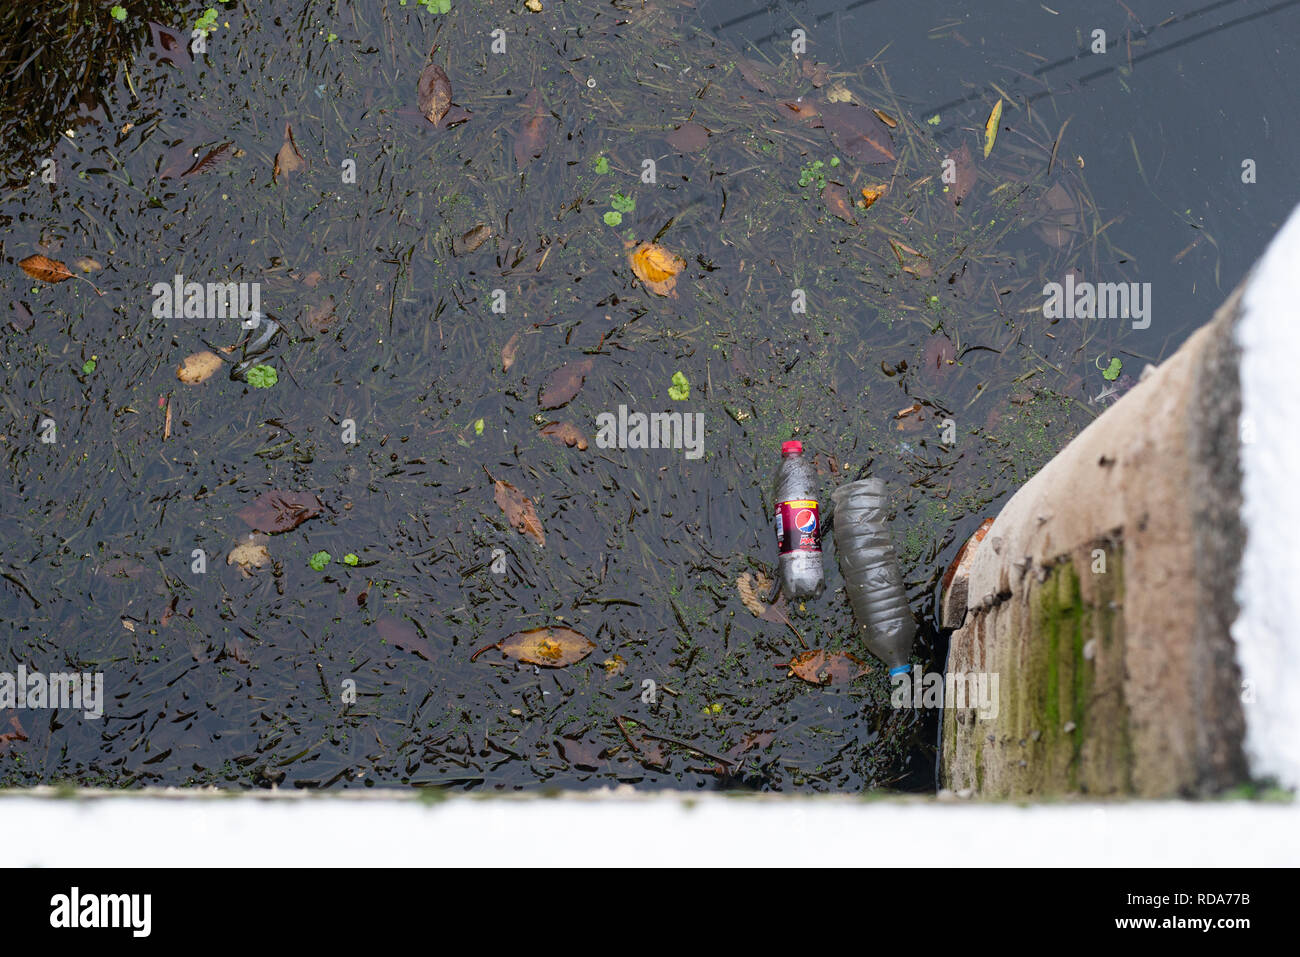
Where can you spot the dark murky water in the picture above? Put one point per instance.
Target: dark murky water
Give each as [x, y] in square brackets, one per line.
[121, 482]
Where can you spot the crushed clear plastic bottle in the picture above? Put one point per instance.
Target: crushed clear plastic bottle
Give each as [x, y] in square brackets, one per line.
[871, 574]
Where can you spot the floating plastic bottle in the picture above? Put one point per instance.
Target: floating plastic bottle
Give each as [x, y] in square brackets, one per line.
[871, 574]
[798, 524]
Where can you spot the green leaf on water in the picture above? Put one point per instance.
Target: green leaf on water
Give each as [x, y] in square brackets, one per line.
[319, 561]
[1111, 372]
[88, 367]
[350, 559]
[602, 165]
[934, 120]
[613, 219]
[207, 23]
[478, 426]
[680, 389]
[263, 377]
[622, 203]
[119, 13]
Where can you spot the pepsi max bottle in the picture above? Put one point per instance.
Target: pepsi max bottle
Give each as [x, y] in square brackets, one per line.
[798, 524]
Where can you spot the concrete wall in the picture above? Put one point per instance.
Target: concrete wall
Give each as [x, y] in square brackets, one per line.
[1107, 592]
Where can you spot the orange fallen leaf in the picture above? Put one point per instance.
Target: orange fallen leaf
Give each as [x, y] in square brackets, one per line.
[872, 193]
[826, 668]
[45, 269]
[51, 270]
[656, 267]
[555, 647]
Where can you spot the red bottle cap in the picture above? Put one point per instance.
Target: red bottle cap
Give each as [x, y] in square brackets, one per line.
[792, 448]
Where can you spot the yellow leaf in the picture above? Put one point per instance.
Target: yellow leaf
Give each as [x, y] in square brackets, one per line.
[991, 128]
[656, 267]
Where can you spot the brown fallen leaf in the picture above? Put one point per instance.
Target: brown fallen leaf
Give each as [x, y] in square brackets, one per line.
[467, 242]
[561, 386]
[885, 118]
[45, 269]
[748, 585]
[837, 201]
[17, 733]
[402, 634]
[121, 569]
[530, 141]
[938, 357]
[433, 95]
[688, 138]
[656, 267]
[815, 73]
[198, 367]
[519, 510]
[583, 755]
[805, 110]
[169, 45]
[167, 420]
[565, 432]
[509, 352]
[648, 751]
[917, 266]
[1060, 217]
[963, 173]
[547, 647]
[212, 158]
[321, 315]
[858, 132]
[249, 557]
[288, 160]
[754, 74]
[826, 668]
[276, 512]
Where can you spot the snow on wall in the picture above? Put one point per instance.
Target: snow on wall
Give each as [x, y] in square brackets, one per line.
[1266, 631]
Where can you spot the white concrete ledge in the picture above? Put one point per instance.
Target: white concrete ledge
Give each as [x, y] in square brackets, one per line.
[193, 829]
